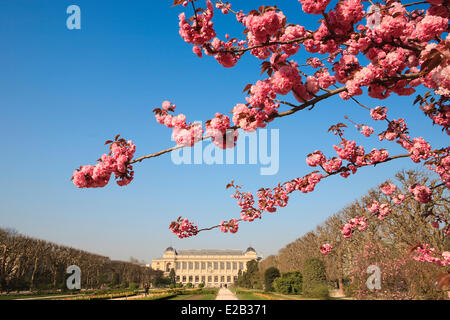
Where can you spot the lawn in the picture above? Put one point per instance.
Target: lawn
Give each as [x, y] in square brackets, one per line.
[253, 294]
[196, 294]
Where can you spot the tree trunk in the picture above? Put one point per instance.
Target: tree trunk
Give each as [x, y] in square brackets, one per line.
[34, 273]
[341, 287]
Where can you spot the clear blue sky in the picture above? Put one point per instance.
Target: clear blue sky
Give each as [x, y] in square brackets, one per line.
[64, 92]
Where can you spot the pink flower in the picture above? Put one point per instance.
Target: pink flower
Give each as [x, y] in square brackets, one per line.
[285, 79]
[314, 62]
[430, 27]
[332, 165]
[217, 128]
[374, 207]
[201, 30]
[291, 33]
[118, 164]
[388, 188]
[379, 113]
[367, 131]
[264, 25]
[326, 248]
[421, 193]
[385, 209]
[315, 158]
[347, 230]
[183, 228]
[314, 6]
[398, 199]
[231, 226]
[197, 50]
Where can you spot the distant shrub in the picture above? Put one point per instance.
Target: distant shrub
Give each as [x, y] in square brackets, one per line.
[133, 285]
[314, 279]
[189, 285]
[289, 283]
[269, 276]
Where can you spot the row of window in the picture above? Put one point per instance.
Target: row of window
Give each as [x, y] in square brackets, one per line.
[210, 265]
[204, 278]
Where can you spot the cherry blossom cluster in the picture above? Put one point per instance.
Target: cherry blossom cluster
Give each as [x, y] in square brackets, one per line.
[389, 189]
[183, 134]
[183, 228]
[438, 111]
[224, 7]
[232, 226]
[357, 223]
[381, 211]
[246, 201]
[441, 165]
[268, 199]
[116, 162]
[421, 193]
[218, 129]
[326, 248]
[425, 253]
[396, 46]
[202, 28]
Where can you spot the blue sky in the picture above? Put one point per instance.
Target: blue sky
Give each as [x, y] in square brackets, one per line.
[64, 92]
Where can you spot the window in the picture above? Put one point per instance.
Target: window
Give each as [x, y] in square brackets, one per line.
[235, 278]
[177, 266]
[234, 265]
[228, 265]
[203, 279]
[190, 278]
[196, 278]
[191, 265]
[229, 279]
[209, 265]
[184, 265]
[222, 265]
[241, 265]
[184, 278]
[222, 279]
[178, 278]
[203, 265]
[209, 278]
[216, 278]
[216, 265]
[197, 266]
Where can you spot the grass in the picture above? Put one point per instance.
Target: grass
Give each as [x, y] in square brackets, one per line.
[254, 294]
[245, 294]
[190, 294]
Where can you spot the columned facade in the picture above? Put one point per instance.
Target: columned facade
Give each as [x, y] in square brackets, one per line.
[214, 268]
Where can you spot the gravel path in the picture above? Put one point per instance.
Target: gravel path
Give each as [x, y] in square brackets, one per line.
[226, 294]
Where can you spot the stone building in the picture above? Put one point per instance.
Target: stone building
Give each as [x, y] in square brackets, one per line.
[215, 268]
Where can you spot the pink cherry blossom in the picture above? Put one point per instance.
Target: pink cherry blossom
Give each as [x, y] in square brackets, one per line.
[388, 188]
[421, 193]
[326, 248]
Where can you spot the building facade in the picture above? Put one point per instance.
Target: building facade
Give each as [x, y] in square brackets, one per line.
[214, 268]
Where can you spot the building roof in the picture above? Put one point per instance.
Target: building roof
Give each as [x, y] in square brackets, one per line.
[210, 252]
[170, 249]
[250, 249]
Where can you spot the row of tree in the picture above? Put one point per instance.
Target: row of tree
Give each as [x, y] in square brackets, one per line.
[32, 264]
[385, 243]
